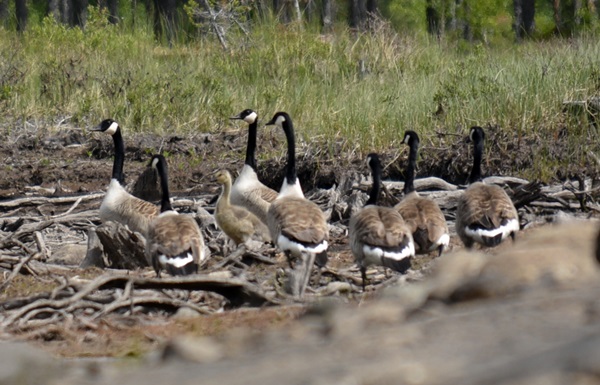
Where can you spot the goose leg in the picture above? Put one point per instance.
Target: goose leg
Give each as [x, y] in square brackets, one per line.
[363, 273]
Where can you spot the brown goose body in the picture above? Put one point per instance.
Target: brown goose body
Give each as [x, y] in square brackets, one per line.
[426, 222]
[174, 242]
[297, 226]
[119, 205]
[247, 190]
[379, 235]
[424, 217]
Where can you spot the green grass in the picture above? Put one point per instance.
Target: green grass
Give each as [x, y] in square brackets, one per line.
[105, 71]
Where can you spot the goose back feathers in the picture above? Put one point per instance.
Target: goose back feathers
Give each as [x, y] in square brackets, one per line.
[485, 213]
[379, 235]
[174, 241]
[423, 216]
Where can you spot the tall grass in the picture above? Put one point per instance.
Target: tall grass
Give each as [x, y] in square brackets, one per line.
[51, 72]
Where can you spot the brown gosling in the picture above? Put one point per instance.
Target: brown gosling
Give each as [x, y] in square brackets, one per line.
[236, 221]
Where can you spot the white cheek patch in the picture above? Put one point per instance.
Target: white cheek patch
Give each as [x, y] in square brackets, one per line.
[154, 162]
[251, 118]
[112, 128]
[280, 120]
[406, 139]
[471, 135]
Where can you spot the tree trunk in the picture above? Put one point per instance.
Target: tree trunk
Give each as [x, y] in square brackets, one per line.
[66, 7]
[54, 10]
[327, 16]
[372, 8]
[518, 14]
[21, 13]
[432, 17]
[524, 18]
[80, 12]
[164, 19]
[113, 7]
[577, 12]
[466, 21]
[3, 11]
[297, 13]
[357, 13]
[529, 16]
[557, 18]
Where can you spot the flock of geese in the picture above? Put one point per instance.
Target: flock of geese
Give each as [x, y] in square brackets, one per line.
[386, 236]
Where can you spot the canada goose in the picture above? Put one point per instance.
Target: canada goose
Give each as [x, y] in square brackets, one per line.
[174, 241]
[378, 235]
[247, 190]
[422, 215]
[119, 205]
[485, 213]
[238, 223]
[297, 226]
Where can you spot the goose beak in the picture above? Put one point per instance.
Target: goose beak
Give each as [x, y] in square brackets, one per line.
[237, 117]
[270, 122]
[96, 128]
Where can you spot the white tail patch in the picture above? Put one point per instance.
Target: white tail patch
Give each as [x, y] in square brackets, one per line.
[373, 254]
[443, 240]
[176, 261]
[296, 248]
[477, 235]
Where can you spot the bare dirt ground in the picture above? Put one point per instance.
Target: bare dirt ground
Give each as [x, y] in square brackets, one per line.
[70, 161]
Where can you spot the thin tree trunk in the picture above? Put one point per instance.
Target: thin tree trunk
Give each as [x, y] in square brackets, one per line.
[432, 18]
[3, 11]
[298, 14]
[466, 17]
[577, 5]
[80, 12]
[518, 14]
[113, 7]
[164, 19]
[21, 13]
[528, 16]
[54, 10]
[65, 7]
[557, 18]
[327, 16]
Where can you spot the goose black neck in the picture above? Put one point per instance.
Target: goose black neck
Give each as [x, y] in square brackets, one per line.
[290, 174]
[376, 173]
[477, 157]
[251, 148]
[410, 168]
[117, 171]
[165, 201]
